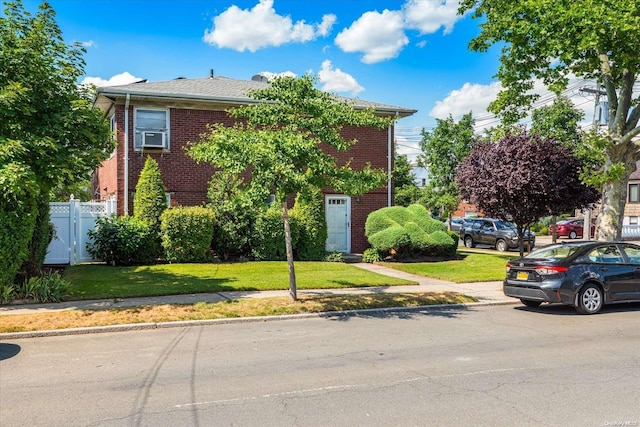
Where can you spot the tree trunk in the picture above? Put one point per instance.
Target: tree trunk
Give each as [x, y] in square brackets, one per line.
[293, 293]
[614, 198]
[554, 228]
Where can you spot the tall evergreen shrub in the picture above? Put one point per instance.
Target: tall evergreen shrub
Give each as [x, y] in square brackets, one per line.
[309, 214]
[187, 232]
[151, 199]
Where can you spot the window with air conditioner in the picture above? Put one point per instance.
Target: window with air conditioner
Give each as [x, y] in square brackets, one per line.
[151, 129]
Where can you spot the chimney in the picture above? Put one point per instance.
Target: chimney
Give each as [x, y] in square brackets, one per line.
[211, 73]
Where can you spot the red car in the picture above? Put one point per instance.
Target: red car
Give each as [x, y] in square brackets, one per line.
[572, 228]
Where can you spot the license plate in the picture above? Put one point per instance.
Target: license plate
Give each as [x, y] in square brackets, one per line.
[522, 275]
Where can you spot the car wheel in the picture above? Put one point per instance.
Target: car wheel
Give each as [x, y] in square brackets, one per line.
[501, 245]
[468, 242]
[573, 235]
[590, 299]
[530, 303]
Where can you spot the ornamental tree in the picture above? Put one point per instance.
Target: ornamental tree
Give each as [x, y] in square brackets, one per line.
[279, 144]
[551, 41]
[521, 178]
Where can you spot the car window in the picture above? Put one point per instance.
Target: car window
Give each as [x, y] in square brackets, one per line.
[553, 252]
[487, 226]
[579, 223]
[476, 225]
[633, 253]
[606, 254]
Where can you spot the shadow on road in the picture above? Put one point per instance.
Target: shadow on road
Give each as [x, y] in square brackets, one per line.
[406, 313]
[7, 351]
[566, 310]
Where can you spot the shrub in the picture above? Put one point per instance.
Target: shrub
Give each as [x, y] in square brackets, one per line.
[234, 213]
[371, 255]
[187, 232]
[42, 235]
[49, 287]
[309, 214]
[150, 200]
[122, 240]
[7, 293]
[408, 231]
[267, 238]
[334, 257]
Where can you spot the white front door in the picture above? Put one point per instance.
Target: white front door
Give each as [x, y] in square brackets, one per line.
[338, 212]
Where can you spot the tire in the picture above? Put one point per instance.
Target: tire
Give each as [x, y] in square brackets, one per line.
[501, 245]
[530, 303]
[573, 235]
[590, 299]
[468, 242]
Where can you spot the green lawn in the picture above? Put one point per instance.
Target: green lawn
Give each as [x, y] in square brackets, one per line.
[91, 281]
[470, 267]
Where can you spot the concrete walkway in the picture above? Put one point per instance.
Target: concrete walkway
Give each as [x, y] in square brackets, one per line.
[486, 292]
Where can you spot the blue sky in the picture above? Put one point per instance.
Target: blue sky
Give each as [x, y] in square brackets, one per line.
[410, 53]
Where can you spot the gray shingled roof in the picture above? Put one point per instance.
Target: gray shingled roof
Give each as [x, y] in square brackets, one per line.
[215, 89]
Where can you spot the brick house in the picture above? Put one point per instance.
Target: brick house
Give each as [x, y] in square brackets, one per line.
[159, 118]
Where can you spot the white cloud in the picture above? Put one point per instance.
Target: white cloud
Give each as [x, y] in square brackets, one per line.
[336, 80]
[89, 43]
[476, 98]
[118, 79]
[379, 36]
[427, 16]
[261, 26]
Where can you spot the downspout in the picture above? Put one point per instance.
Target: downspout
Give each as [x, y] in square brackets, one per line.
[126, 154]
[389, 162]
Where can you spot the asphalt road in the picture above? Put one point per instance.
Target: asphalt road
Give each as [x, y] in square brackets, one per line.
[493, 366]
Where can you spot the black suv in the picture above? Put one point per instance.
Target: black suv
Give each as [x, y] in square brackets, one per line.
[500, 234]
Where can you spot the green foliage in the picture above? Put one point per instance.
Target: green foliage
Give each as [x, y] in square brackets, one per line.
[187, 232]
[267, 238]
[403, 172]
[443, 150]
[49, 287]
[309, 215]
[334, 257]
[122, 240]
[408, 231]
[42, 235]
[151, 200]
[18, 213]
[7, 293]
[234, 213]
[553, 42]
[50, 134]
[372, 255]
[407, 195]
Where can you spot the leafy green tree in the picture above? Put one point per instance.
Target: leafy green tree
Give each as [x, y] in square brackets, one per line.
[406, 191]
[50, 134]
[442, 151]
[280, 142]
[553, 40]
[560, 121]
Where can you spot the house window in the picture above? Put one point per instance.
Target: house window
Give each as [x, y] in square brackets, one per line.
[151, 129]
[634, 196]
[633, 220]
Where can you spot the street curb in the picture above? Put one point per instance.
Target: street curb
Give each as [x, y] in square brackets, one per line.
[190, 323]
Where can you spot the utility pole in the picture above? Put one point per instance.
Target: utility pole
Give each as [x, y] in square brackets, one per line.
[596, 123]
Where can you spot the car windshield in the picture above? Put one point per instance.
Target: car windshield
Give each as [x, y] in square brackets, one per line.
[554, 252]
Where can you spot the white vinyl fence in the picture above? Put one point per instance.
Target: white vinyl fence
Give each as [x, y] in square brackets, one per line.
[72, 220]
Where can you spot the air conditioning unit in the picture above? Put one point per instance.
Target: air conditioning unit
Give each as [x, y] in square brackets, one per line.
[154, 139]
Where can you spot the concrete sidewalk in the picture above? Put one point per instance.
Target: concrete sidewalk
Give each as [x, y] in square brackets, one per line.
[488, 292]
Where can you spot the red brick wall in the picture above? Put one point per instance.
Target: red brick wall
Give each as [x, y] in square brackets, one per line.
[187, 181]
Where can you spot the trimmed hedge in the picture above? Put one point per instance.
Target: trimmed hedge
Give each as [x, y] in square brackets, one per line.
[268, 240]
[122, 240]
[309, 214]
[187, 232]
[408, 231]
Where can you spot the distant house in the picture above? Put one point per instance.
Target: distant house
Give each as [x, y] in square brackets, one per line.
[632, 207]
[159, 118]
[421, 176]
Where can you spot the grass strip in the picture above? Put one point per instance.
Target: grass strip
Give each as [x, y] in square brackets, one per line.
[249, 307]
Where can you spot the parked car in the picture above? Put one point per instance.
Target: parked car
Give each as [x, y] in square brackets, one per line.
[499, 234]
[585, 275]
[572, 228]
